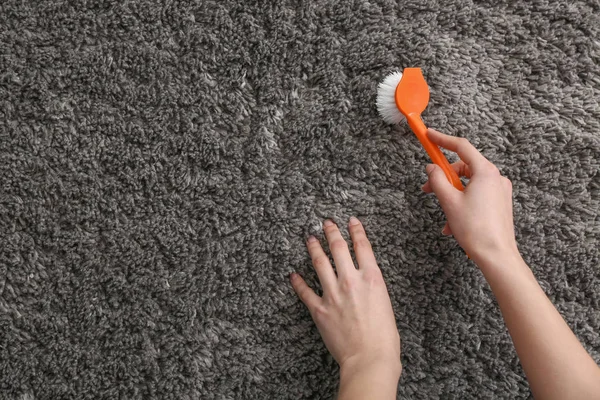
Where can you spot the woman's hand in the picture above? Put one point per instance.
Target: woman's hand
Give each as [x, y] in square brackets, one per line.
[556, 364]
[354, 316]
[480, 217]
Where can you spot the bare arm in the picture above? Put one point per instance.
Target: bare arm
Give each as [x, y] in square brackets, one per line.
[556, 364]
[480, 218]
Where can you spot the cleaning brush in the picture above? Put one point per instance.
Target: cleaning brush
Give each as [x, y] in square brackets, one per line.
[405, 95]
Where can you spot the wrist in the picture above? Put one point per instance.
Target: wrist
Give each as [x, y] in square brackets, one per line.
[389, 368]
[496, 257]
[369, 378]
[504, 265]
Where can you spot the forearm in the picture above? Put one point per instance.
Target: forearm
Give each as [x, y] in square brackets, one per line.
[556, 364]
[376, 381]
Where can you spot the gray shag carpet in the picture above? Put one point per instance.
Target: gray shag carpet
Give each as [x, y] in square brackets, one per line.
[162, 164]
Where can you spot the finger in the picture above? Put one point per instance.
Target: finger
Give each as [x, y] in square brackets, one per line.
[460, 146]
[362, 247]
[443, 189]
[339, 249]
[459, 167]
[320, 261]
[507, 184]
[508, 188]
[306, 294]
[446, 231]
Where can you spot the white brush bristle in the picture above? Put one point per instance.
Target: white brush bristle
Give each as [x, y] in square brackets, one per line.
[386, 103]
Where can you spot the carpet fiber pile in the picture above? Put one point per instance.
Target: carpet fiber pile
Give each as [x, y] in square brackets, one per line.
[161, 164]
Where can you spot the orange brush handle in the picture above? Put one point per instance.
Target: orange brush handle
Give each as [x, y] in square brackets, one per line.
[416, 124]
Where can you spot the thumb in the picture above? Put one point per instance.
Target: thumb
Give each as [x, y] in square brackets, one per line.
[440, 185]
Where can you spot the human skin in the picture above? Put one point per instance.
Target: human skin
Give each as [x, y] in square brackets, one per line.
[355, 317]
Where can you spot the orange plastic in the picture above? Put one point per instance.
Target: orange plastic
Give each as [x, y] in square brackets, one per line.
[412, 96]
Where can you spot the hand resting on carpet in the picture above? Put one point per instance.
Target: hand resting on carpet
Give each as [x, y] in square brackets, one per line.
[355, 317]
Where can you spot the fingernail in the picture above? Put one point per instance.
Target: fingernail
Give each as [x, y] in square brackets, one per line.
[311, 239]
[328, 223]
[444, 232]
[429, 168]
[293, 276]
[354, 221]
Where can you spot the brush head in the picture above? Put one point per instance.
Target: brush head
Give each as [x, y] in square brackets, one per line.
[386, 99]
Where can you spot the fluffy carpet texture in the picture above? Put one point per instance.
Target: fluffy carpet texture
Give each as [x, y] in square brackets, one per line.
[162, 164]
